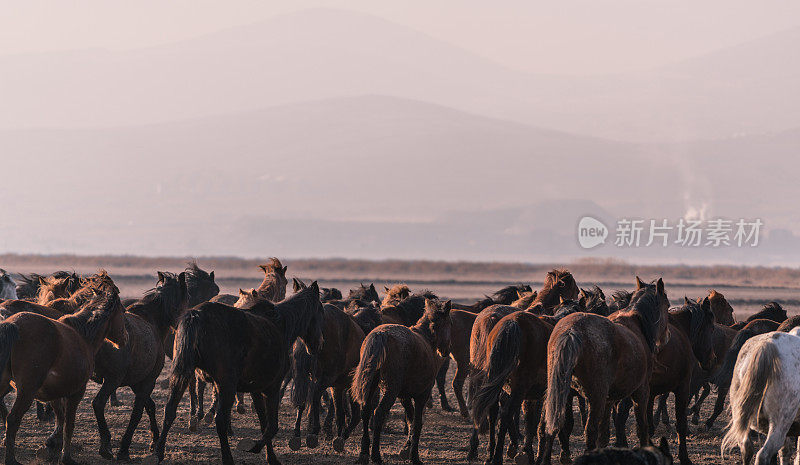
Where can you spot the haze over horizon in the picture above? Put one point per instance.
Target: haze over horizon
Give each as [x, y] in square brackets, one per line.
[312, 129]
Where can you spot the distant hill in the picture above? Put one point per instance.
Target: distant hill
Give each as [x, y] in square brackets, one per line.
[323, 53]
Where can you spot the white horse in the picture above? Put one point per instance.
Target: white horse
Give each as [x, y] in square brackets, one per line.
[8, 289]
[765, 396]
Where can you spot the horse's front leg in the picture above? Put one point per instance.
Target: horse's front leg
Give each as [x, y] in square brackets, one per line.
[641, 400]
[98, 405]
[226, 393]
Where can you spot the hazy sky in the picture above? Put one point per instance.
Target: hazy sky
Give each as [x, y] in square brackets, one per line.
[585, 36]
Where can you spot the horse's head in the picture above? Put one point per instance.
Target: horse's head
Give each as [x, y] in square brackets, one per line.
[8, 288]
[567, 307]
[200, 285]
[594, 301]
[558, 283]
[172, 290]
[330, 293]
[652, 304]
[104, 295]
[248, 298]
[297, 285]
[367, 316]
[723, 312]
[437, 322]
[524, 299]
[701, 330]
[394, 295]
[364, 293]
[316, 319]
[277, 271]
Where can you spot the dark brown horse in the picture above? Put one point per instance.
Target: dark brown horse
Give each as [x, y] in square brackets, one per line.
[723, 312]
[401, 362]
[722, 339]
[725, 373]
[395, 295]
[138, 364]
[606, 360]
[273, 286]
[771, 311]
[558, 284]
[691, 330]
[28, 286]
[52, 360]
[243, 350]
[516, 362]
[332, 368]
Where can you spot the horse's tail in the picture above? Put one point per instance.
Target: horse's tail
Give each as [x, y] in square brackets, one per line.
[725, 373]
[365, 379]
[503, 357]
[302, 369]
[9, 333]
[561, 360]
[184, 357]
[747, 393]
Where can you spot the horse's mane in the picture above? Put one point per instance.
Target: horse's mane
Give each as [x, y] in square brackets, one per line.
[166, 298]
[509, 294]
[696, 316]
[595, 301]
[645, 306]
[565, 308]
[287, 313]
[91, 317]
[771, 311]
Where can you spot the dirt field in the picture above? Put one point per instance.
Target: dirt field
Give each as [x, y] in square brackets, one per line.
[444, 437]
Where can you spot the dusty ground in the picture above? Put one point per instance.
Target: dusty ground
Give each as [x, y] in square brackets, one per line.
[444, 437]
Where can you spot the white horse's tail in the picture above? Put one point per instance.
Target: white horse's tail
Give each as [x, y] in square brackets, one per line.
[747, 393]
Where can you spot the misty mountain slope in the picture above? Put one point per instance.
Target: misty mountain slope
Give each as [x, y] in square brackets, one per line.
[321, 53]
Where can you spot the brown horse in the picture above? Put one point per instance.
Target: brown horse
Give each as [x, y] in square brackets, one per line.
[723, 312]
[722, 338]
[691, 330]
[401, 362]
[558, 284]
[243, 350]
[395, 295]
[606, 360]
[52, 360]
[273, 287]
[771, 311]
[517, 363]
[138, 364]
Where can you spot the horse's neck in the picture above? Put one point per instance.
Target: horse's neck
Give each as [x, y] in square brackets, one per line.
[682, 321]
[92, 332]
[154, 313]
[423, 330]
[633, 322]
[292, 319]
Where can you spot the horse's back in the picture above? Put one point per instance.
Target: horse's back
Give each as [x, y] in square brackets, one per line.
[11, 307]
[409, 358]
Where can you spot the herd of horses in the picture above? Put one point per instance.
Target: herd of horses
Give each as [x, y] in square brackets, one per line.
[524, 357]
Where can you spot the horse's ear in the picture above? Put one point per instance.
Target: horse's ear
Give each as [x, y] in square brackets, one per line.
[706, 305]
[639, 283]
[283, 271]
[42, 281]
[447, 306]
[561, 300]
[583, 294]
[242, 292]
[182, 280]
[211, 275]
[372, 287]
[660, 286]
[600, 291]
[160, 276]
[254, 293]
[663, 446]
[263, 268]
[314, 285]
[387, 288]
[520, 294]
[686, 300]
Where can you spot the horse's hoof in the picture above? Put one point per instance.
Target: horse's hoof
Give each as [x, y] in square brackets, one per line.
[247, 445]
[404, 454]
[362, 459]
[69, 461]
[565, 459]
[240, 409]
[193, 424]
[472, 455]
[295, 443]
[522, 459]
[123, 457]
[312, 441]
[151, 460]
[338, 445]
[464, 412]
[105, 452]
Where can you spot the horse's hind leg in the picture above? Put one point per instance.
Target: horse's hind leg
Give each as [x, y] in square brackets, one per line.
[462, 369]
[408, 407]
[193, 417]
[178, 387]
[98, 405]
[698, 403]
[775, 441]
[507, 411]
[380, 418]
[330, 414]
[295, 442]
[620, 420]
[226, 393]
[662, 415]
[641, 399]
[533, 411]
[314, 427]
[441, 381]
[240, 408]
[21, 405]
[55, 440]
[719, 406]
[150, 408]
[142, 394]
[681, 404]
[69, 428]
[416, 429]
